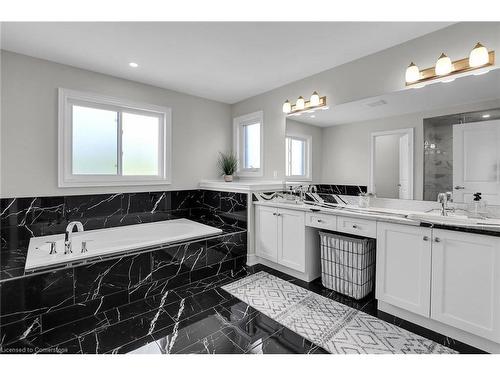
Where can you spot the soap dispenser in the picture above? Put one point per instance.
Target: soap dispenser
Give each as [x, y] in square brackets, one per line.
[476, 205]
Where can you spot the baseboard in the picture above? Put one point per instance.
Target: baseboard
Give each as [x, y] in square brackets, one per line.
[299, 275]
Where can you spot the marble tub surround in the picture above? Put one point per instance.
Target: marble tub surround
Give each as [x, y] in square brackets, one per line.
[23, 218]
[31, 304]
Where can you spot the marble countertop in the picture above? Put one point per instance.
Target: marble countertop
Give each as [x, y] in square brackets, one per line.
[381, 214]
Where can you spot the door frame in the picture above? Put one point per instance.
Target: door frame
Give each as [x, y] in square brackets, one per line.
[373, 137]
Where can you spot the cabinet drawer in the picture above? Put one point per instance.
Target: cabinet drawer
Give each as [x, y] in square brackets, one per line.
[360, 227]
[321, 221]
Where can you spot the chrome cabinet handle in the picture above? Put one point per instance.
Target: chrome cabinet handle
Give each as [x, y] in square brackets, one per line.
[425, 238]
[354, 226]
[437, 239]
[320, 221]
[53, 247]
[459, 187]
[274, 214]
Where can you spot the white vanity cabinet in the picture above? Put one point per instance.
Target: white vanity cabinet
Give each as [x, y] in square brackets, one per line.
[403, 267]
[266, 232]
[466, 282]
[450, 278]
[280, 236]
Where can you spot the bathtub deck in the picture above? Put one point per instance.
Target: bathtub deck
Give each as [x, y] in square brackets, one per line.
[197, 318]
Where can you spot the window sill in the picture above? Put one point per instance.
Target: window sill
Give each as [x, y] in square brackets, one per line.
[70, 184]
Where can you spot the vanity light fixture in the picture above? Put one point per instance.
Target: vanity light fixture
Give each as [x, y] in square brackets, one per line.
[305, 106]
[314, 99]
[444, 66]
[300, 103]
[478, 56]
[412, 73]
[287, 107]
[478, 62]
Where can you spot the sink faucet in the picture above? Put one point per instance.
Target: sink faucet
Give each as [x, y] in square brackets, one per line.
[67, 235]
[313, 189]
[444, 198]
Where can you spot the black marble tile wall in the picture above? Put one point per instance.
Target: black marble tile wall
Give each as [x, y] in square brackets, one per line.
[32, 304]
[23, 218]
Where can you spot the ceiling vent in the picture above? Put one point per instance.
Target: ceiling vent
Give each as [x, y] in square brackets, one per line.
[377, 103]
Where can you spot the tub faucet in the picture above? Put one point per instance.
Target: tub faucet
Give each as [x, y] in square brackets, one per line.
[67, 236]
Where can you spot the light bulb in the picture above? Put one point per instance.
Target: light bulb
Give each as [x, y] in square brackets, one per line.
[299, 104]
[443, 65]
[287, 107]
[478, 56]
[314, 99]
[412, 73]
[133, 64]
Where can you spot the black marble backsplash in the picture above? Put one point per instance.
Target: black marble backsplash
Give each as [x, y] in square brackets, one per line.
[32, 304]
[341, 189]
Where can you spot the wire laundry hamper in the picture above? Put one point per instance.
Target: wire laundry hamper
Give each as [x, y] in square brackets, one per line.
[347, 264]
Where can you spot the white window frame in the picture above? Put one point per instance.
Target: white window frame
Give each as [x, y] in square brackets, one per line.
[67, 98]
[307, 154]
[238, 124]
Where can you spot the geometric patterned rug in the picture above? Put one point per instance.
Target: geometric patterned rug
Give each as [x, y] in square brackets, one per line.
[331, 325]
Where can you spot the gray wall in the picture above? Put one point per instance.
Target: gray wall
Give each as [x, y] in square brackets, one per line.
[201, 127]
[377, 74]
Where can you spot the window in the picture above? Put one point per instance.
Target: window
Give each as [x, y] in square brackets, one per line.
[248, 144]
[298, 157]
[109, 142]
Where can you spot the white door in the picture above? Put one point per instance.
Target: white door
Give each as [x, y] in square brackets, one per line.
[266, 232]
[466, 282]
[404, 178]
[291, 239]
[476, 157]
[403, 268]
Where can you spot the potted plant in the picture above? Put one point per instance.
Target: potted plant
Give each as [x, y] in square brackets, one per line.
[227, 163]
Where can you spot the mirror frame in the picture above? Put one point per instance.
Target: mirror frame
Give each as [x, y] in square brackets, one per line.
[411, 157]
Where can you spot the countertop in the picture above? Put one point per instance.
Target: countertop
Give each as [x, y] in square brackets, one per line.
[381, 214]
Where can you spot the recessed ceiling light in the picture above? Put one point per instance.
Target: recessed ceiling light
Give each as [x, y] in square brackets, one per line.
[313, 116]
[133, 64]
[487, 115]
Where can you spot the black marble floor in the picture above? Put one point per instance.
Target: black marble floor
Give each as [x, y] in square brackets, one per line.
[197, 318]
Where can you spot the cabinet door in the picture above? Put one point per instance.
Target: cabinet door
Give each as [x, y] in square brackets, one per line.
[266, 232]
[466, 282]
[291, 239]
[403, 268]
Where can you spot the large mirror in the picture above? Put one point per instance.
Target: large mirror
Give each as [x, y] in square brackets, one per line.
[410, 144]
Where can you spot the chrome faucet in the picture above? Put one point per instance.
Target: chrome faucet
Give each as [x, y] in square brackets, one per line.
[313, 189]
[67, 236]
[444, 198]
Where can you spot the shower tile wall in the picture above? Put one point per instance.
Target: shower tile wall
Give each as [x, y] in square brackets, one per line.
[438, 160]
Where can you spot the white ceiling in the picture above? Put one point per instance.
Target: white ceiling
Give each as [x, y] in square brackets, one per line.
[464, 90]
[227, 62]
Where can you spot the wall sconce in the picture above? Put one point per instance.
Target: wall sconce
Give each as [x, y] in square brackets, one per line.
[479, 58]
[301, 105]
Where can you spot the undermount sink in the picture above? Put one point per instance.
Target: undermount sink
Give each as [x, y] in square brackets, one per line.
[453, 219]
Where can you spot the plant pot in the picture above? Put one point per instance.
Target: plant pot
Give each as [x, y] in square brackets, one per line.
[228, 178]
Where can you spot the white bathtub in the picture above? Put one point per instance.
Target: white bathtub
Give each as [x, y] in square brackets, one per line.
[106, 242]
